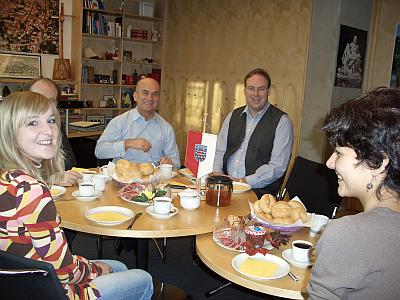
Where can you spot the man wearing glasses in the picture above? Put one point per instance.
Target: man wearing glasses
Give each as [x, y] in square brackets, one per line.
[140, 135]
[255, 141]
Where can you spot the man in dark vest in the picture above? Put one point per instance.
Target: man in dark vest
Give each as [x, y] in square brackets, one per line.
[255, 141]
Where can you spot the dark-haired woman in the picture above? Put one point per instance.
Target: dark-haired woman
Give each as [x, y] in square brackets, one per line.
[358, 257]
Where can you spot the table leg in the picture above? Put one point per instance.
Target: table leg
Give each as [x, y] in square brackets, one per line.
[142, 254]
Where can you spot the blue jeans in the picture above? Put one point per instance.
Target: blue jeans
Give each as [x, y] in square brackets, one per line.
[123, 283]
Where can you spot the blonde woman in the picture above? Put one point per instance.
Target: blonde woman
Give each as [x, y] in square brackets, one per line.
[30, 155]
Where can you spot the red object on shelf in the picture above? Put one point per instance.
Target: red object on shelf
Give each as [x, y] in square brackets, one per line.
[155, 74]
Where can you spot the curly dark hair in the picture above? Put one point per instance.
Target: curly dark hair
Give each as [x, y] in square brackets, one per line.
[370, 125]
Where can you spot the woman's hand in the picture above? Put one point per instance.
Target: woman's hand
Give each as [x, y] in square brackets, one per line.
[105, 268]
[70, 178]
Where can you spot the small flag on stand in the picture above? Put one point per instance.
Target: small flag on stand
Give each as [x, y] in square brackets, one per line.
[200, 152]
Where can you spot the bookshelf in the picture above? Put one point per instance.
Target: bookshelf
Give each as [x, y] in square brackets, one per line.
[116, 41]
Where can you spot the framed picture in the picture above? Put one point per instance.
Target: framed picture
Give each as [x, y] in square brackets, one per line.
[351, 57]
[127, 55]
[395, 75]
[107, 120]
[99, 119]
[20, 65]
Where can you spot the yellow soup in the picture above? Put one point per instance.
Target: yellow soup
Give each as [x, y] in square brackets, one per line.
[54, 192]
[258, 268]
[109, 216]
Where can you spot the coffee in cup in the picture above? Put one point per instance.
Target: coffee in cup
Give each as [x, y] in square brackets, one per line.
[301, 250]
[162, 205]
[87, 189]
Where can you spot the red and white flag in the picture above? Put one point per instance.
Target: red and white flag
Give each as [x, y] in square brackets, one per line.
[200, 152]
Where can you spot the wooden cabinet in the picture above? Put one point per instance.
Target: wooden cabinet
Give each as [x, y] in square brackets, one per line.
[110, 49]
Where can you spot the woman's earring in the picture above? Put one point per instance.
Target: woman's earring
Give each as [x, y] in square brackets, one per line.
[369, 185]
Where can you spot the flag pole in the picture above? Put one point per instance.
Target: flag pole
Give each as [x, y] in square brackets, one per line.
[198, 180]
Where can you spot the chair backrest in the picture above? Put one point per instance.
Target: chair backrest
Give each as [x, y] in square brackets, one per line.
[315, 185]
[103, 162]
[24, 278]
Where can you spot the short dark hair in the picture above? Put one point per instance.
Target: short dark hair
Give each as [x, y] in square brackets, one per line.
[258, 71]
[370, 125]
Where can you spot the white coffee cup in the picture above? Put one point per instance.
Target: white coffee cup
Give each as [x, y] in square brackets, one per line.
[162, 205]
[104, 170]
[99, 181]
[166, 170]
[318, 222]
[87, 176]
[87, 189]
[301, 250]
[189, 199]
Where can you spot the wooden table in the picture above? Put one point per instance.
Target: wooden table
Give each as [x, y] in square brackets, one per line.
[219, 260]
[185, 223]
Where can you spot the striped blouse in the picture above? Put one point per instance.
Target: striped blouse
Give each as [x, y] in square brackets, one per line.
[30, 227]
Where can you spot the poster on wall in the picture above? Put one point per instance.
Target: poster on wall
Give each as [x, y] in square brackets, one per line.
[351, 57]
[29, 26]
[395, 75]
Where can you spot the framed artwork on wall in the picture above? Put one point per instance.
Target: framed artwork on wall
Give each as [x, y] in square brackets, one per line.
[20, 65]
[350, 57]
[395, 74]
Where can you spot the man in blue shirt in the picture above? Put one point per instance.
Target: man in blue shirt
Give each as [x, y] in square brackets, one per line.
[140, 135]
[255, 141]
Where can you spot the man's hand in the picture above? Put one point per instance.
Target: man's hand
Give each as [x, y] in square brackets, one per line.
[70, 178]
[166, 160]
[138, 144]
[105, 268]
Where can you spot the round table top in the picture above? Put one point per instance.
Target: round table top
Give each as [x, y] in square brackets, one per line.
[219, 260]
[199, 221]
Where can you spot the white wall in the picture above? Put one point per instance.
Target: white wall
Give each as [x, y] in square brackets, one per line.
[320, 93]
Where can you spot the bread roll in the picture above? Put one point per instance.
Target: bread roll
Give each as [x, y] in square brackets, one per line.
[146, 169]
[298, 213]
[265, 217]
[126, 170]
[282, 221]
[296, 204]
[257, 208]
[281, 209]
[266, 203]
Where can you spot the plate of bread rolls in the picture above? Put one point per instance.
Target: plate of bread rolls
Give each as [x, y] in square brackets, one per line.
[126, 172]
[287, 216]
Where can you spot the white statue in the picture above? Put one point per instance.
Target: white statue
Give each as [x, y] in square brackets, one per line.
[351, 60]
[155, 35]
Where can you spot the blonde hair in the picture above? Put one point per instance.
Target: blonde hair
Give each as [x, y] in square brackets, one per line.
[15, 110]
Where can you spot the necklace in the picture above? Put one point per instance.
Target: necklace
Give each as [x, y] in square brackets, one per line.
[37, 165]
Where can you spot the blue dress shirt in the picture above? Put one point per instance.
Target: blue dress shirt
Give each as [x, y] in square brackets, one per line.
[131, 125]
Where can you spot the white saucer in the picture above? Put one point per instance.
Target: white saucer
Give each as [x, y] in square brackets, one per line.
[86, 198]
[57, 191]
[150, 211]
[287, 255]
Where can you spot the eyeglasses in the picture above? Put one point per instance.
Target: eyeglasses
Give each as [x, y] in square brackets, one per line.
[262, 90]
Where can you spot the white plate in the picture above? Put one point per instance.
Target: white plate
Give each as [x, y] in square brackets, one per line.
[186, 172]
[240, 187]
[173, 174]
[135, 202]
[150, 211]
[59, 191]
[121, 210]
[283, 266]
[287, 255]
[85, 198]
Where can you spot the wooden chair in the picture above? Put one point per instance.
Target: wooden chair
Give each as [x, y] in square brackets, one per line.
[24, 278]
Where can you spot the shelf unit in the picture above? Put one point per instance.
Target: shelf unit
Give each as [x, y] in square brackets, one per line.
[146, 55]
